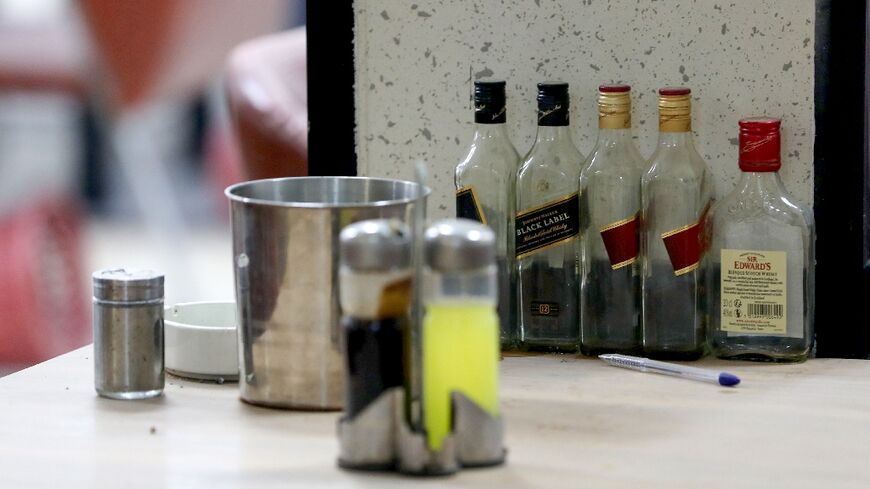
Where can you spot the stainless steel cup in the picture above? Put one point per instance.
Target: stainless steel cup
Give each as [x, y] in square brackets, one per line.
[285, 249]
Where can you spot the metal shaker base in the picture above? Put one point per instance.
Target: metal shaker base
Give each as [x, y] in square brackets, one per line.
[291, 407]
[367, 442]
[378, 438]
[219, 379]
[479, 435]
[486, 464]
[416, 458]
[131, 396]
[476, 441]
[366, 467]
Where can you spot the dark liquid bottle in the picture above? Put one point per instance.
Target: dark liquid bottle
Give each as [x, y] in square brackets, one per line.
[375, 361]
[375, 289]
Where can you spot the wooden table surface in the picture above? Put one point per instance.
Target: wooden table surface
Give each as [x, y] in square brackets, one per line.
[571, 422]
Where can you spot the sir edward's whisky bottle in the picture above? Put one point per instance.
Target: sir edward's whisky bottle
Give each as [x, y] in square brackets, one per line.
[485, 187]
[760, 264]
[547, 228]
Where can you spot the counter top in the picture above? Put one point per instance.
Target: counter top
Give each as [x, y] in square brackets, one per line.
[571, 422]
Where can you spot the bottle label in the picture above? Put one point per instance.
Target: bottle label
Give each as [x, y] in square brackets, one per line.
[468, 205]
[551, 224]
[684, 247]
[549, 309]
[753, 285]
[621, 241]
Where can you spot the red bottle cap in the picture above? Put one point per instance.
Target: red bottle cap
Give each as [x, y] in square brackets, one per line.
[672, 91]
[760, 144]
[614, 88]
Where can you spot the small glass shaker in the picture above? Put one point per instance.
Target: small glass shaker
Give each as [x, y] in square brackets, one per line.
[128, 333]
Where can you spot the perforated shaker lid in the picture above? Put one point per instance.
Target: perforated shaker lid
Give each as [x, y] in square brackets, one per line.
[459, 244]
[127, 285]
[376, 245]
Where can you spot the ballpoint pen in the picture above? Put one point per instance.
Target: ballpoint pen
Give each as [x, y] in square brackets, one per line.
[676, 370]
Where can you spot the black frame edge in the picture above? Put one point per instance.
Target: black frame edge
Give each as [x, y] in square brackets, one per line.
[331, 111]
[840, 102]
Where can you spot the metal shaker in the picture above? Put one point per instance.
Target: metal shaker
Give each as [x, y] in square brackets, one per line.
[128, 333]
[375, 283]
[459, 350]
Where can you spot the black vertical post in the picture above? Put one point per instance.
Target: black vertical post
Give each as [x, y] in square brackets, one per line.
[865, 286]
[841, 301]
[331, 114]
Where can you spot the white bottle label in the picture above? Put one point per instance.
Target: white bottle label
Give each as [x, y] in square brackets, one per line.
[753, 285]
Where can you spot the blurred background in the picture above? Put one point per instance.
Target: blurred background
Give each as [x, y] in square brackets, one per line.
[119, 125]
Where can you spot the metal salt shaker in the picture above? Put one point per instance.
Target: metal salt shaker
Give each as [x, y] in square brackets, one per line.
[128, 333]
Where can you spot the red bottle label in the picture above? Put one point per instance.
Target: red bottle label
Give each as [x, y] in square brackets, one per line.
[621, 241]
[684, 248]
[684, 245]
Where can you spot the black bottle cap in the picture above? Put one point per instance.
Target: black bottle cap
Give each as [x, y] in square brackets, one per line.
[489, 102]
[553, 103]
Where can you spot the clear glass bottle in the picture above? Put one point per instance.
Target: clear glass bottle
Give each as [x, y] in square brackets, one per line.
[547, 226]
[760, 262]
[609, 188]
[677, 191]
[485, 186]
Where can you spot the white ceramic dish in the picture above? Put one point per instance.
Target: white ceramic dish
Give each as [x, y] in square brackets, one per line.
[200, 340]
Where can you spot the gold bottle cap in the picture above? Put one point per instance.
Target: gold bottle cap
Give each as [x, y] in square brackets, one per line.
[614, 107]
[675, 109]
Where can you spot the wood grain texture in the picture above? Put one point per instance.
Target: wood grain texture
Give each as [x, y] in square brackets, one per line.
[571, 423]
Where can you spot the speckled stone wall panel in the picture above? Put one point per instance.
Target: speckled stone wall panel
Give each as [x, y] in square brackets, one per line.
[415, 63]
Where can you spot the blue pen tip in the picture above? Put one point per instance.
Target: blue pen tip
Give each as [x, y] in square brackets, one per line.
[728, 379]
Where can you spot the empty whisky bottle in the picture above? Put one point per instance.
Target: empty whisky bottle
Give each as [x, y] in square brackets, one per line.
[677, 192]
[485, 192]
[761, 259]
[546, 230]
[609, 188]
